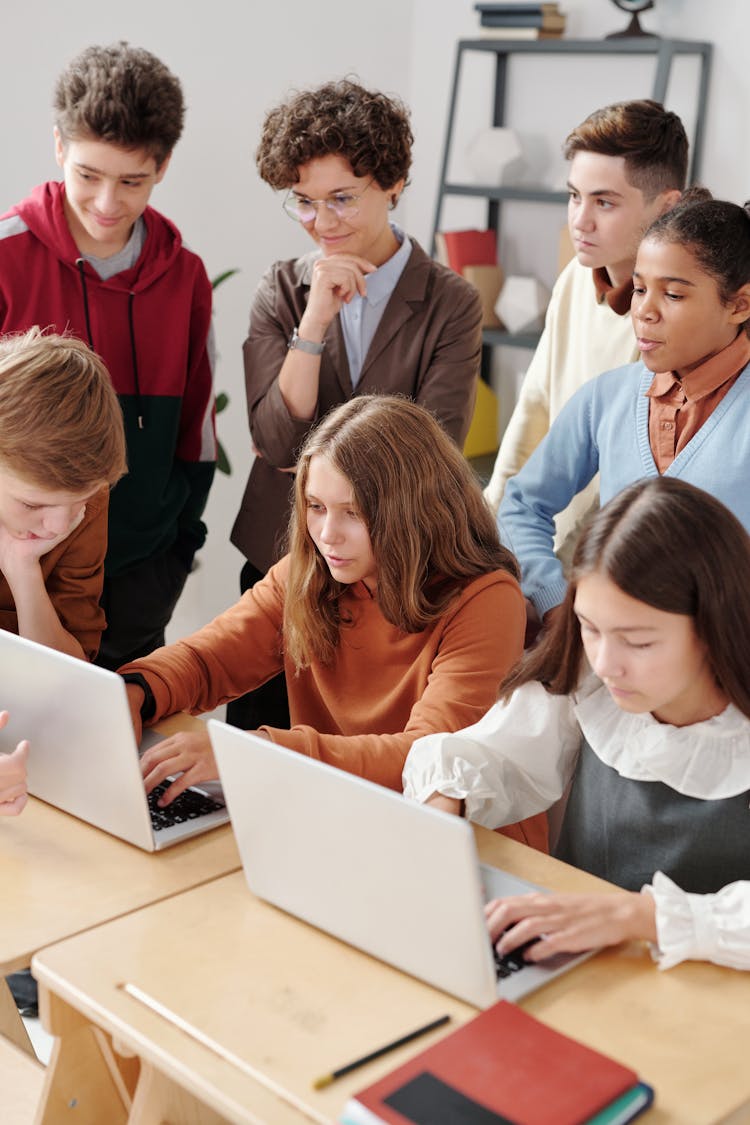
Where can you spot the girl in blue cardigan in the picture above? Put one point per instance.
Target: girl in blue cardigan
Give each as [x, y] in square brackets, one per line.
[682, 411]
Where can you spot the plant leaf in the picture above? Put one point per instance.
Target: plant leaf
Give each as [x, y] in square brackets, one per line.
[216, 281]
[222, 461]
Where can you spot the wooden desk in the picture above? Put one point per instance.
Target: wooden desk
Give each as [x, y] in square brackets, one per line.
[60, 876]
[292, 1003]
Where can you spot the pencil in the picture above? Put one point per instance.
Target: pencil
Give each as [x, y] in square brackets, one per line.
[327, 1079]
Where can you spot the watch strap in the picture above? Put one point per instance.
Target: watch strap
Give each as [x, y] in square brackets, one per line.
[312, 347]
[148, 707]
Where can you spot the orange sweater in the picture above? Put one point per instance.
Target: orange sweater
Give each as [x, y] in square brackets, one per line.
[73, 574]
[384, 689]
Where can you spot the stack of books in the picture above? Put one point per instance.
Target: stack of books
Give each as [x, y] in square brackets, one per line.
[473, 254]
[512, 20]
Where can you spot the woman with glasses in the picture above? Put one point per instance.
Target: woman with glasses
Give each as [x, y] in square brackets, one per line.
[366, 311]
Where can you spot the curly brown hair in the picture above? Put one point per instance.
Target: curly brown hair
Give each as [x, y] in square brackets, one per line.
[123, 95]
[369, 129]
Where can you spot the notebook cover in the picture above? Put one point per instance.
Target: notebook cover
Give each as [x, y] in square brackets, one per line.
[504, 1067]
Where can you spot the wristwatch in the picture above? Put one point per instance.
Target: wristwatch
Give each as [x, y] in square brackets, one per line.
[148, 707]
[310, 346]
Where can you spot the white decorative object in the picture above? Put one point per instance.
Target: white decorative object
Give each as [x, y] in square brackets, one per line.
[522, 304]
[495, 156]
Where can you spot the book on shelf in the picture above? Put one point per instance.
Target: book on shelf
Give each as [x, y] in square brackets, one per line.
[500, 8]
[504, 1067]
[501, 18]
[461, 248]
[520, 33]
[552, 22]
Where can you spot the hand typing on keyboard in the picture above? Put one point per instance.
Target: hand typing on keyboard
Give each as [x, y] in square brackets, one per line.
[543, 925]
[188, 754]
[190, 805]
[508, 963]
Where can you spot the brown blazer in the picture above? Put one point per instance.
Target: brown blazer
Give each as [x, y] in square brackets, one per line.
[427, 346]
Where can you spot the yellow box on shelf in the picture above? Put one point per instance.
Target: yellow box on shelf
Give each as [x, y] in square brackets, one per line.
[482, 437]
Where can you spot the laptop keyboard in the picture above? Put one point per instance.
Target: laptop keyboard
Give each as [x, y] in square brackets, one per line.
[511, 962]
[188, 806]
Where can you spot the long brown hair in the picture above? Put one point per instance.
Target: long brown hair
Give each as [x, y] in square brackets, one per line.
[430, 528]
[676, 548]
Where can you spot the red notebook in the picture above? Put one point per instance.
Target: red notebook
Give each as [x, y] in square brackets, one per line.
[459, 248]
[502, 1068]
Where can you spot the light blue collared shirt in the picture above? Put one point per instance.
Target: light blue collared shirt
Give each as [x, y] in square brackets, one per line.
[361, 317]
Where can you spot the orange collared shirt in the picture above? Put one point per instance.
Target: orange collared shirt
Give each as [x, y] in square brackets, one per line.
[617, 297]
[679, 407]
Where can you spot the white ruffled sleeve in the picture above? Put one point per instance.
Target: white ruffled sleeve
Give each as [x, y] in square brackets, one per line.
[691, 927]
[513, 763]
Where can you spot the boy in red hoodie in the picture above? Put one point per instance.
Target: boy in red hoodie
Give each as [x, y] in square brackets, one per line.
[88, 256]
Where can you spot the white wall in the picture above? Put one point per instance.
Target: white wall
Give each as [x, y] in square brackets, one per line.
[236, 60]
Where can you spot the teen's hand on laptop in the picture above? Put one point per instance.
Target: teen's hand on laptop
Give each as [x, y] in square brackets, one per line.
[569, 923]
[13, 792]
[189, 754]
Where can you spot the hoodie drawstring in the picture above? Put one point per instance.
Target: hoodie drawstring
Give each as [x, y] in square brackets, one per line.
[134, 357]
[82, 272]
[80, 263]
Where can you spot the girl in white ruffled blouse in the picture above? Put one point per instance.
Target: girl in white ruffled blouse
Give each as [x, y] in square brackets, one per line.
[637, 704]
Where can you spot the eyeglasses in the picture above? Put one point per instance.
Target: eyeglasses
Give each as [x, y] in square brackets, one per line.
[344, 205]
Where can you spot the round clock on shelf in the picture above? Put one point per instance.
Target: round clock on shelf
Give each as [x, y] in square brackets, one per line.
[634, 29]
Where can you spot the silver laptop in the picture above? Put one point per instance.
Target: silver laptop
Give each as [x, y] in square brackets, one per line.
[83, 756]
[391, 877]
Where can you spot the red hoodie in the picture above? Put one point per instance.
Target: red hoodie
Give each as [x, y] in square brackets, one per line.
[150, 324]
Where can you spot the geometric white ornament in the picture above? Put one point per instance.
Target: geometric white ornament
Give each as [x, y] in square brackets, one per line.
[522, 304]
[495, 156]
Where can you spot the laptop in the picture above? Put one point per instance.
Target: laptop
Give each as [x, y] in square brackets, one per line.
[394, 878]
[83, 755]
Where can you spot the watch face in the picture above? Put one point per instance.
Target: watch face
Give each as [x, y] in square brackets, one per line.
[634, 5]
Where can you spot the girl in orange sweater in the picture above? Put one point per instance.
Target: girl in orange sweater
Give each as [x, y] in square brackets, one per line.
[396, 612]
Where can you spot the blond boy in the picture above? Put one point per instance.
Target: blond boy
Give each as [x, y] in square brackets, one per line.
[61, 448]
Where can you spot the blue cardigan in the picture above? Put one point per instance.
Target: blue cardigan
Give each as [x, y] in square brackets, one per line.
[604, 429]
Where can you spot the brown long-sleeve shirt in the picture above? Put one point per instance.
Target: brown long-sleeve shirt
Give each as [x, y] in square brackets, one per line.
[73, 573]
[384, 688]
